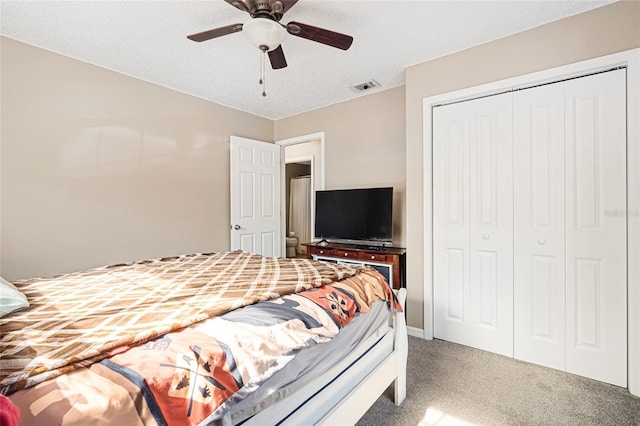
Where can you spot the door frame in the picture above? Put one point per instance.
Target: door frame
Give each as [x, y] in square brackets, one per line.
[629, 59]
[315, 179]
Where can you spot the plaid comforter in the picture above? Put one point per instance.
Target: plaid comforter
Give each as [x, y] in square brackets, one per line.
[80, 318]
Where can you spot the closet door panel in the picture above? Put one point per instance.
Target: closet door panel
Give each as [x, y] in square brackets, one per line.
[451, 223]
[491, 224]
[539, 243]
[595, 146]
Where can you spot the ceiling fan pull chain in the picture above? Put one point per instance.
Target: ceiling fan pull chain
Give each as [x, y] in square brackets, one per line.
[263, 79]
[261, 66]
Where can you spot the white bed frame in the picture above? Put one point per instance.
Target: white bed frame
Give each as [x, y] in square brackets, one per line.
[356, 386]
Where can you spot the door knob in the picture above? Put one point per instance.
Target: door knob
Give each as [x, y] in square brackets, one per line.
[236, 227]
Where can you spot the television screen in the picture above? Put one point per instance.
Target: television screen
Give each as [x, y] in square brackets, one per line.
[355, 215]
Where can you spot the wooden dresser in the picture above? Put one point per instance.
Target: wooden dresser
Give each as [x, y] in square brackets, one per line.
[390, 261]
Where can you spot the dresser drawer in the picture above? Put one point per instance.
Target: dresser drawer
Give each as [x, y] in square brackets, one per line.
[344, 254]
[317, 251]
[372, 257]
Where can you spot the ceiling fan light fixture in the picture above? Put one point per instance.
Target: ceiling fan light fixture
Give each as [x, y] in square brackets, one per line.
[264, 32]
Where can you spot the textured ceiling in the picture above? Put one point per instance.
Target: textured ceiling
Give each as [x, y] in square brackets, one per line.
[147, 40]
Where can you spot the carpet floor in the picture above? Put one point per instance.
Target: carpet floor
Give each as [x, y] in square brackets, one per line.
[454, 385]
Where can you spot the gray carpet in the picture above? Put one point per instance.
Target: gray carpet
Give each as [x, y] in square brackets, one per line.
[454, 385]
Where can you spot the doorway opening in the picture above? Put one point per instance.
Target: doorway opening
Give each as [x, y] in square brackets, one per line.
[298, 192]
[303, 175]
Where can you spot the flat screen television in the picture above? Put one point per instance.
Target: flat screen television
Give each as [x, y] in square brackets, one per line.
[355, 216]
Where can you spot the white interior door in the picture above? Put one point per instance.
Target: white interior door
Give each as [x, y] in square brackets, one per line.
[451, 222]
[472, 229]
[255, 196]
[491, 224]
[539, 234]
[595, 144]
[570, 280]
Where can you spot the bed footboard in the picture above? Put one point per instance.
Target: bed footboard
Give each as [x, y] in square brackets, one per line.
[356, 388]
[392, 370]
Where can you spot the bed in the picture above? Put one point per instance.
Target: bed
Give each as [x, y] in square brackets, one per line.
[217, 338]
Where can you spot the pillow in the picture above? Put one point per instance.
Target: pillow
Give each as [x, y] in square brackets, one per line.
[11, 300]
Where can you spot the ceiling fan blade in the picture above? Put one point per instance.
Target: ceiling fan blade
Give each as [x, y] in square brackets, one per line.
[320, 35]
[276, 56]
[216, 32]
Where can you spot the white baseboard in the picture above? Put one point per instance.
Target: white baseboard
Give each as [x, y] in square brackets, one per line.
[415, 332]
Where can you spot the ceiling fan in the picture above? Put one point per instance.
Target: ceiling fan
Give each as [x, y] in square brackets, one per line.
[266, 32]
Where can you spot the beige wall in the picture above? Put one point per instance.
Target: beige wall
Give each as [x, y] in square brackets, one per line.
[98, 167]
[364, 145]
[606, 30]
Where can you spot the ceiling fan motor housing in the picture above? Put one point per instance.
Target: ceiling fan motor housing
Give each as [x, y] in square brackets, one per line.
[273, 8]
[264, 33]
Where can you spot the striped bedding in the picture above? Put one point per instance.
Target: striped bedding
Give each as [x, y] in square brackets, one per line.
[154, 337]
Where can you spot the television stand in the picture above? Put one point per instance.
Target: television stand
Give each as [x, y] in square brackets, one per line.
[389, 261]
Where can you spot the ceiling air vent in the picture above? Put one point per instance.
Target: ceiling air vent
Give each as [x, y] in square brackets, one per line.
[363, 87]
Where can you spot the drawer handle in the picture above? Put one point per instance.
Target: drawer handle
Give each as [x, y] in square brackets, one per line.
[321, 251]
[542, 241]
[346, 254]
[373, 257]
[485, 237]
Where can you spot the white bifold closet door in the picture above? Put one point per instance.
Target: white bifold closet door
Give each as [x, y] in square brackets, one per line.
[569, 243]
[473, 223]
[539, 226]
